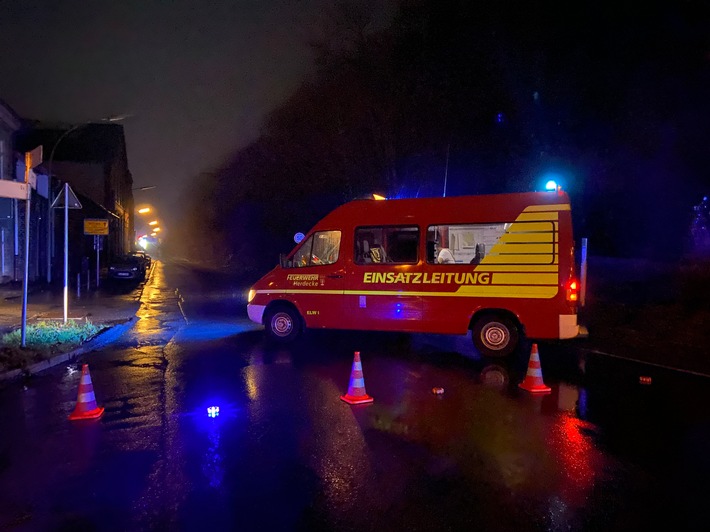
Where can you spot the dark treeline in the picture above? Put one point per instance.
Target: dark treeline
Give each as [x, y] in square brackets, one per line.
[613, 100]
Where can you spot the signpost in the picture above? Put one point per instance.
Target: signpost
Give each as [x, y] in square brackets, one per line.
[68, 200]
[32, 159]
[97, 227]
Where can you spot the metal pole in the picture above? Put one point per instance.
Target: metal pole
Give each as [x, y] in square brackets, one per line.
[27, 256]
[78, 285]
[50, 236]
[66, 251]
[16, 249]
[2, 248]
[583, 279]
[446, 171]
[97, 242]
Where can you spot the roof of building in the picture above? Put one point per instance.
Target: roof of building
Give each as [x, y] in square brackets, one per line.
[79, 143]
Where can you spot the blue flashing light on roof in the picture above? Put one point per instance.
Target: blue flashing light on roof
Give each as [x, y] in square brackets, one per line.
[551, 185]
[213, 411]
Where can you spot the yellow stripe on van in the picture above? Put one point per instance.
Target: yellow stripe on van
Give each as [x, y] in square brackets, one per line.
[299, 291]
[311, 291]
[531, 227]
[537, 216]
[557, 207]
[513, 292]
[508, 248]
[517, 259]
[535, 292]
[525, 278]
[527, 237]
[517, 268]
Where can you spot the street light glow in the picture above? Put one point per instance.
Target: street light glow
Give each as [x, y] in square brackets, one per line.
[156, 229]
[154, 222]
[144, 210]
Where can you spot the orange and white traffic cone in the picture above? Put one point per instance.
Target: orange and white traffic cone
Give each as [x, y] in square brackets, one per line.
[533, 380]
[86, 407]
[356, 389]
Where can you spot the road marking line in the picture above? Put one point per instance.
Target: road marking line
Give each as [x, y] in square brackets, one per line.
[690, 372]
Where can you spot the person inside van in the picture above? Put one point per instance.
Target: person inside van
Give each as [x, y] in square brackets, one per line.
[479, 253]
[443, 255]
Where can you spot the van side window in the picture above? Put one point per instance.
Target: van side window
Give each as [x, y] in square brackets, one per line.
[319, 249]
[386, 244]
[467, 243]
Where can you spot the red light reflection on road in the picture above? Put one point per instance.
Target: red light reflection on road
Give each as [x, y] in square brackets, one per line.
[576, 456]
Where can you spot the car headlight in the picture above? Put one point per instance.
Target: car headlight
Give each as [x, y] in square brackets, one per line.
[251, 295]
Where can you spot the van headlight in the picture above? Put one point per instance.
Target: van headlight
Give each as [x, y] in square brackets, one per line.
[251, 295]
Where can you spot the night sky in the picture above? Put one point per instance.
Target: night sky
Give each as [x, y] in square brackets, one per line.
[231, 109]
[198, 77]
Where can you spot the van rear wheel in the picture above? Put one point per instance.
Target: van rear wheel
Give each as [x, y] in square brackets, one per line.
[283, 324]
[495, 336]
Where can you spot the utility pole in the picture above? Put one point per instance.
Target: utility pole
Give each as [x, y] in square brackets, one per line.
[32, 159]
[446, 170]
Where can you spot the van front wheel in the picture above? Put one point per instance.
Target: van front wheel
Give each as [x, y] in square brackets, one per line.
[283, 324]
[495, 336]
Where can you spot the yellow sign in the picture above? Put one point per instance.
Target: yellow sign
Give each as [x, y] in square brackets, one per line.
[95, 226]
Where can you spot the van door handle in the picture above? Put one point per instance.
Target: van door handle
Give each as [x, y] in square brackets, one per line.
[334, 276]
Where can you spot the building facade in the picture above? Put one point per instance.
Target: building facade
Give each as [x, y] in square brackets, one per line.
[9, 124]
[92, 159]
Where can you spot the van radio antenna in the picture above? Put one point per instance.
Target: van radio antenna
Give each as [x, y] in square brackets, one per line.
[446, 169]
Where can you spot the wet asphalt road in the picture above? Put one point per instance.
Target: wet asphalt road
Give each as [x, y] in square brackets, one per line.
[602, 451]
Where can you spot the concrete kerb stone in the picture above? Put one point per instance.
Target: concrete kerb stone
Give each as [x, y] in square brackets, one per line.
[102, 339]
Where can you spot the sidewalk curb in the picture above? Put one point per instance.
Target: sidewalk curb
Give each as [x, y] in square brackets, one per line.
[102, 339]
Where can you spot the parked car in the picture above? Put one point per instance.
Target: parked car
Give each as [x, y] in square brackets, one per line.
[127, 267]
[144, 257]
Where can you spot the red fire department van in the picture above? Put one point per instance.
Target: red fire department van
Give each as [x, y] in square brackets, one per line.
[499, 266]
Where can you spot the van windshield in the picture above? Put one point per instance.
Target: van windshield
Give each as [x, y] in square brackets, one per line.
[319, 249]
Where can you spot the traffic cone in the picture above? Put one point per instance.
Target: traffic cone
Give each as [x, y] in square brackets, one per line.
[533, 380]
[86, 401]
[356, 389]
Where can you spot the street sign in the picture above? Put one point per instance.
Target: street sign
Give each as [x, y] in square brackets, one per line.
[73, 202]
[95, 226]
[34, 158]
[13, 189]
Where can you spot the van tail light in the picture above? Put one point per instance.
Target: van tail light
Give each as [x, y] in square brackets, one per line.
[572, 289]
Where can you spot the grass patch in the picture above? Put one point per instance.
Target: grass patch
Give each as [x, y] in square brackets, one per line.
[43, 340]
